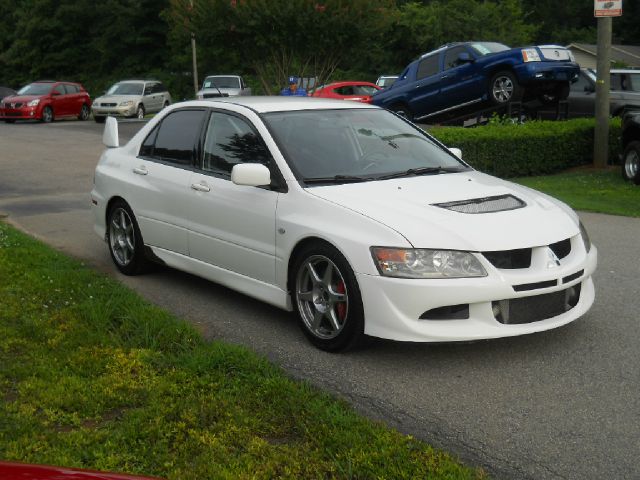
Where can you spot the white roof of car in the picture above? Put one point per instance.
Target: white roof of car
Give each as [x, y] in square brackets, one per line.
[267, 104]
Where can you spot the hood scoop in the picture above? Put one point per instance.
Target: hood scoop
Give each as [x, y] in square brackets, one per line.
[499, 203]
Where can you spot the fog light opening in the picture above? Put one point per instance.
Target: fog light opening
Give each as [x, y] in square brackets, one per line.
[500, 310]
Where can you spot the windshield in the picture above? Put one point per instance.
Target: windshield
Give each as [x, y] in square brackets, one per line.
[386, 82]
[487, 48]
[35, 89]
[366, 143]
[128, 88]
[221, 82]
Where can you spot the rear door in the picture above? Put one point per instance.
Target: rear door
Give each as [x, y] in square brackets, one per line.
[74, 98]
[426, 91]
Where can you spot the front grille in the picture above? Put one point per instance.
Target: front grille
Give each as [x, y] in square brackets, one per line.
[561, 249]
[535, 308]
[108, 104]
[510, 259]
[499, 203]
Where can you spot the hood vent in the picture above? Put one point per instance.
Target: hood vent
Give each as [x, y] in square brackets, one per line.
[500, 203]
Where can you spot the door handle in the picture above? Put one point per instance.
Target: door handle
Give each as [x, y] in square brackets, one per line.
[200, 187]
[140, 171]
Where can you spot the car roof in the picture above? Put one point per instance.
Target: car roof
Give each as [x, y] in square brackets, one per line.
[268, 104]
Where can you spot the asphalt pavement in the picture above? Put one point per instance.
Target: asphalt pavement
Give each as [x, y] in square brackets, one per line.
[562, 404]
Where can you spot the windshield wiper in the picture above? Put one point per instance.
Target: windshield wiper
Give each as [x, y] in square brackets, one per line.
[421, 171]
[337, 179]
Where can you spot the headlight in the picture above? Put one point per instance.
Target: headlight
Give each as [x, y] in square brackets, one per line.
[426, 263]
[585, 238]
[128, 103]
[33, 103]
[530, 55]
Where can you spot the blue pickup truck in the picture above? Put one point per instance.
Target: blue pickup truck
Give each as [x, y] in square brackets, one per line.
[459, 76]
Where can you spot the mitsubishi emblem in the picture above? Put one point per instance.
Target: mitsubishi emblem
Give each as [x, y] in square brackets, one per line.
[552, 259]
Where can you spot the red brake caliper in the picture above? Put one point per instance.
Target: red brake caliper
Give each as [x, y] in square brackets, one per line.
[341, 307]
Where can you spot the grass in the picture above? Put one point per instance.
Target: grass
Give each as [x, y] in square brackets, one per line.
[592, 190]
[92, 376]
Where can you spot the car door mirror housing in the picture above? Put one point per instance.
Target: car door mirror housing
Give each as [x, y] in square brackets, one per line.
[110, 134]
[465, 57]
[457, 152]
[250, 174]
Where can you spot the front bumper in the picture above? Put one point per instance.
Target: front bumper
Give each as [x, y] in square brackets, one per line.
[23, 113]
[117, 111]
[536, 73]
[393, 306]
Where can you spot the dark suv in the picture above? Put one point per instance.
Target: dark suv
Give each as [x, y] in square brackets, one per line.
[461, 75]
[631, 146]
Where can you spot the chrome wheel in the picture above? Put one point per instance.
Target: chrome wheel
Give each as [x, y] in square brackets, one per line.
[503, 88]
[322, 297]
[122, 240]
[631, 163]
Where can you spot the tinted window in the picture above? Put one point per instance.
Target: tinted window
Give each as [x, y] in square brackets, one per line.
[451, 57]
[428, 66]
[176, 139]
[160, 88]
[59, 89]
[230, 140]
[71, 88]
[346, 90]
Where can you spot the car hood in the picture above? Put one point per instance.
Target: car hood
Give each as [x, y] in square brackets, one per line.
[21, 98]
[117, 98]
[232, 92]
[406, 205]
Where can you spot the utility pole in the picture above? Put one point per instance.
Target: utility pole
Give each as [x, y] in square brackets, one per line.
[193, 53]
[603, 84]
[603, 10]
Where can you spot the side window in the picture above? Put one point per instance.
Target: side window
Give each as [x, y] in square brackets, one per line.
[60, 89]
[451, 57]
[148, 89]
[175, 140]
[617, 81]
[428, 66]
[229, 141]
[346, 90]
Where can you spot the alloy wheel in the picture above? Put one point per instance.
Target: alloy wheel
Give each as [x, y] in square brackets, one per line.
[122, 237]
[322, 298]
[503, 89]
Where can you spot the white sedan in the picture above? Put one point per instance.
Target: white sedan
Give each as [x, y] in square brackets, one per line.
[352, 217]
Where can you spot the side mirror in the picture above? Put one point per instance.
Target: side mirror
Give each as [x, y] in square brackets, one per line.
[457, 152]
[250, 174]
[110, 134]
[465, 57]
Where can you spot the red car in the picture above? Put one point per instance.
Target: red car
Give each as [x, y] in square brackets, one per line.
[355, 91]
[22, 471]
[46, 101]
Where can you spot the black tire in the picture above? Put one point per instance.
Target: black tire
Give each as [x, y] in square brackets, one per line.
[84, 113]
[99, 119]
[140, 112]
[402, 110]
[331, 324]
[504, 88]
[47, 115]
[631, 162]
[124, 240]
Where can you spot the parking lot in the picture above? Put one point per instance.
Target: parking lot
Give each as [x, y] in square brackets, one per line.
[561, 404]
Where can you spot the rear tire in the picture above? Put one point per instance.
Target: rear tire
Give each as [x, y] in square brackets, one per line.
[631, 163]
[327, 299]
[125, 240]
[84, 113]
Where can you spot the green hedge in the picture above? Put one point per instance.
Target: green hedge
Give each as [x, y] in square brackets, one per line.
[531, 148]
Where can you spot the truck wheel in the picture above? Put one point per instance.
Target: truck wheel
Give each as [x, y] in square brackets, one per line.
[504, 88]
[631, 163]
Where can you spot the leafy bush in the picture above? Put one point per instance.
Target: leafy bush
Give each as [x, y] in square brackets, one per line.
[532, 148]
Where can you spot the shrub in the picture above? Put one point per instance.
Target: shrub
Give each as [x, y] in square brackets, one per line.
[532, 148]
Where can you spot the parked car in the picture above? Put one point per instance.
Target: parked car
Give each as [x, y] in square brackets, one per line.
[223, 86]
[6, 91]
[46, 101]
[631, 146]
[355, 91]
[624, 94]
[131, 99]
[347, 214]
[23, 471]
[461, 75]
[385, 81]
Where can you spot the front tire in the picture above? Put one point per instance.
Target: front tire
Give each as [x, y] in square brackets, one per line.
[125, 240]
[47, 115]
[140, 112]
[327, 299]
[631, 162]
[504, 88]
